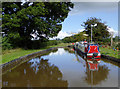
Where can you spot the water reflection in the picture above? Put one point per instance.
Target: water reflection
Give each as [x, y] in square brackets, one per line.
[59, 52]
[70, 50]
[37, 72]
[96, 74]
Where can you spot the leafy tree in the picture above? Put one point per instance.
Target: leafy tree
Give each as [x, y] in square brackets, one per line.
[116, 43]
[100, 32]
[68, 39]
[80, 36]
[40, 18]
[116, 38]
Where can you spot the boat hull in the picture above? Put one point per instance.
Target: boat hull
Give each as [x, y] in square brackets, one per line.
[91, 51]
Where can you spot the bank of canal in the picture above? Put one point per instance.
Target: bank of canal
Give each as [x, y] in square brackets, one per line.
[61, 68]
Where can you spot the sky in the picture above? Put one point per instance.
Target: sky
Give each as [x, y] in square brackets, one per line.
[106, 11]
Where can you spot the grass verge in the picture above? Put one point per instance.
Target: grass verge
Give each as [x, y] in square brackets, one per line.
[9, 55]
[110, 52]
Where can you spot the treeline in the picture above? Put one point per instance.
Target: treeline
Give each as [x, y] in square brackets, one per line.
[34, 44]
[75, 38]
[80, 37]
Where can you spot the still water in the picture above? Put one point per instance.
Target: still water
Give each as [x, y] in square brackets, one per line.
[62, 68]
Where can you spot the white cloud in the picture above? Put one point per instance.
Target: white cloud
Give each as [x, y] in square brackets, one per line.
[81, 30]
[62, 34]
[111, 30]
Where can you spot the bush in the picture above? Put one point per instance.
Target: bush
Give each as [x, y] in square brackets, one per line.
[36, 44]
[6, 44]
[14, 41]
[52, 42]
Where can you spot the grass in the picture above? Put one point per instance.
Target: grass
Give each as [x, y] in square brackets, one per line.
[9, 55]
[110, 52]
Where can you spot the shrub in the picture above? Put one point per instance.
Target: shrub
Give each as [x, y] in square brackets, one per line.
[6, 44]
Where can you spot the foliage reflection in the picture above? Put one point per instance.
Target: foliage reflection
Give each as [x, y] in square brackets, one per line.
[37, 72]
[94, 77]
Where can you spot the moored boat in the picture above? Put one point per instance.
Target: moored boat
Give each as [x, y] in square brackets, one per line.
[90, 51]
[93, 52]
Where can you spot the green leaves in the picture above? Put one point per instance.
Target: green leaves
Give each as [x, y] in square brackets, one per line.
[76, 38]
[100, 32]
[45, 18]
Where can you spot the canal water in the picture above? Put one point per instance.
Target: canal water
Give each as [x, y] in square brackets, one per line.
[62, 68]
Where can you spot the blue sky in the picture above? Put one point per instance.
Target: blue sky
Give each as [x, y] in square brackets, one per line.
[106, 11]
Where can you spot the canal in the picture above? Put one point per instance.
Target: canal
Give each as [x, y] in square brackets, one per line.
[61, 68]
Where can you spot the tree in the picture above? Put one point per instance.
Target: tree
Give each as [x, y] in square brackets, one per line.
[116, 38]
[40, 18]
[100, 32]
[80, 36]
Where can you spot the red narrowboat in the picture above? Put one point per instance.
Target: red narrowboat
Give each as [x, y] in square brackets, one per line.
[89, 51]
[93, 52]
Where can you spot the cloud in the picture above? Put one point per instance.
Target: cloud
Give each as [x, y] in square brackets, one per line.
[111, 30]
[62, 34]
[85, 7]
[81, 30]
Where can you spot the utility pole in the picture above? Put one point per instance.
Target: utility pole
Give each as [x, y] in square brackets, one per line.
[112, 38]
[91, 33]
[91, 30]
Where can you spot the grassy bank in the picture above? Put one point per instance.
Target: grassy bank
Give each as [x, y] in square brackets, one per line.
[110, 52]
[12, 54]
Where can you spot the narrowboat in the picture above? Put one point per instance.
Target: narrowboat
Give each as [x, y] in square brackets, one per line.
[93, 53]
[89, 51]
